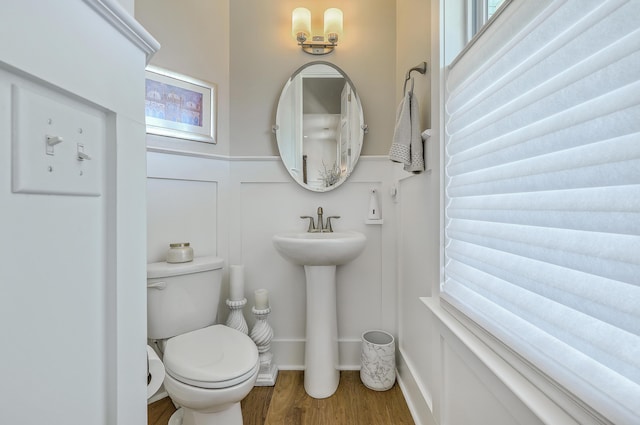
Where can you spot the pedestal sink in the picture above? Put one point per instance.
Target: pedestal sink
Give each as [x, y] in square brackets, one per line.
[320, 253]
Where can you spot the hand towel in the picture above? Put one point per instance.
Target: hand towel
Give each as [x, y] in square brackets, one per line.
[407, 140]
[417, 154]
[401, 146]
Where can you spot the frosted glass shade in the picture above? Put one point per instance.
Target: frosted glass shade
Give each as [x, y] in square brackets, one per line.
[333, 21]
[301, 22]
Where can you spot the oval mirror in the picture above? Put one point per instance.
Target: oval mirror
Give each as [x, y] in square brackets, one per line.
[319, 126]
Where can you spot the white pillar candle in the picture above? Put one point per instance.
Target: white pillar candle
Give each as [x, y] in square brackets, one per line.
[236, 283]
[262, 299]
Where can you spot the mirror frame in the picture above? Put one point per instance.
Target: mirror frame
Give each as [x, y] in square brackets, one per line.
[362, 127]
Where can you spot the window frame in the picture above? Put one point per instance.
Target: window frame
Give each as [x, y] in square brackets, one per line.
[477, 22]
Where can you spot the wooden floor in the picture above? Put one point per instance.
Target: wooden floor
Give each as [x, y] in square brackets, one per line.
[288, 404]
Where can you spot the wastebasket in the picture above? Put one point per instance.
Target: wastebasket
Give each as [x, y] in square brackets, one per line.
[378, 358]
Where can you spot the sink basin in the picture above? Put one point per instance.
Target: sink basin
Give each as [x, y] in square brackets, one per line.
[320, 249]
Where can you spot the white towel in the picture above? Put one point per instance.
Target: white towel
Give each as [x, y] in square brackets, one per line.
[407, 140]
[401, 146]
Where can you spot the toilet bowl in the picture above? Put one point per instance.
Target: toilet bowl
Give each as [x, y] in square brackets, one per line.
[209, 371]
[209, 367]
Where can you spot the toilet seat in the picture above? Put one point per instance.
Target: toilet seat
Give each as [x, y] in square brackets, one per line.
[213, 357]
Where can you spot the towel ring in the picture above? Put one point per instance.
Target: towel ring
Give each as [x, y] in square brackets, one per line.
[421, 68]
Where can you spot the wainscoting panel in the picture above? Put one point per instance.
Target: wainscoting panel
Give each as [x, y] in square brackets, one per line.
[267, 201]
[418, 253]
[181, 211]
[232, 207]
[472, 393]
[184, 196]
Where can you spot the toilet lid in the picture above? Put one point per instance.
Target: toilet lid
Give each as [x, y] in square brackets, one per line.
[213, 357]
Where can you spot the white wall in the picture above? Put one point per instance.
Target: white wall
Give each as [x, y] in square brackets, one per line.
[195, 41]
[261, 35]
[243, 197]
[71, 311]
[417, 226]
[246, 48]
[52, 275]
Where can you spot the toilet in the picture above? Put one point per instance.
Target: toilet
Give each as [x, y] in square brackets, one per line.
[209, 367]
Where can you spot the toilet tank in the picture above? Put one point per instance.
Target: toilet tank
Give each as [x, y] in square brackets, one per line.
[182, 297]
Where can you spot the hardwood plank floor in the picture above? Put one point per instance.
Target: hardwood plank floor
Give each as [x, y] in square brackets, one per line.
[288, 404]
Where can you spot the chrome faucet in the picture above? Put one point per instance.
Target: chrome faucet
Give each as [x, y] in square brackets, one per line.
[312, 226]
[320, 224]
[322, 227]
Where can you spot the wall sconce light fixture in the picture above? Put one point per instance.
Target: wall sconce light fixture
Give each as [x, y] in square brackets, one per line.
[301, 30]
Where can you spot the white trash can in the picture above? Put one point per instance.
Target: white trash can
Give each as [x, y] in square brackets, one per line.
[378, 368]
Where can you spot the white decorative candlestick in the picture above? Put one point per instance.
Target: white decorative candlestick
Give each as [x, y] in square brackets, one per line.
[236, 318]
[262, 299]
[236, 283]
[262, 334]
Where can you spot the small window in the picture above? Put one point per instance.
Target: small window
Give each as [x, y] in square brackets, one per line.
[481, 11]
[492, 6]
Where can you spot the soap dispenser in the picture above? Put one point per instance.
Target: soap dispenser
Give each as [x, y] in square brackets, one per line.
[373, 212]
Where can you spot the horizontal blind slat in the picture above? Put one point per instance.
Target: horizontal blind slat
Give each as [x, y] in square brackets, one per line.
[598, 175]
[605, 222]
[607, 104]
[607, 163]
[613, 256]
[576, 84]
[616, 348]
[581, 291]
[593, 199]
[525, 144]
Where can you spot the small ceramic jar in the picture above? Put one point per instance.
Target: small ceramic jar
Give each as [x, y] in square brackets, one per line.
[179, 253]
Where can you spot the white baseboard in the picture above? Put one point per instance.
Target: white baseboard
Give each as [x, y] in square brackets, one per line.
[289, 353]
[418, 404]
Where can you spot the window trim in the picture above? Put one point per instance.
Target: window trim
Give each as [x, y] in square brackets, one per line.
[475, 20]
[538, 391]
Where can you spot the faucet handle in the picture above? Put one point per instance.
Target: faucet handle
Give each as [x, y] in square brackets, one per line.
[312, 226]
[329, 228]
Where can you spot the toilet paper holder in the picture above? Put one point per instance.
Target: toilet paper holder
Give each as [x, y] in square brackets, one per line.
[155, 372]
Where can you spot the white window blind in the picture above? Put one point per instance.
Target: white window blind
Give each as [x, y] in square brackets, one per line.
[542, 201]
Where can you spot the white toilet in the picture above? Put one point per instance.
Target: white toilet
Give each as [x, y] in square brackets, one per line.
[209, 368]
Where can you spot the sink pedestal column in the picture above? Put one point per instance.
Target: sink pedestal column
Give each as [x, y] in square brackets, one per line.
[321, 375]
